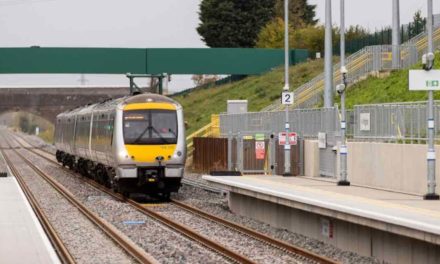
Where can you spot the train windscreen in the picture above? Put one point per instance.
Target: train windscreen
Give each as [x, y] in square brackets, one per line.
[145, 127]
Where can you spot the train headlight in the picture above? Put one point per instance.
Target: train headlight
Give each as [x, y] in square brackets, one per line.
[179, 153]
[123, 154]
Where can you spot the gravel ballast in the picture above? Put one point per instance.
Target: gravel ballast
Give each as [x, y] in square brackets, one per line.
[210, 203]
[218, 205]
[162, 243]
[253, 249]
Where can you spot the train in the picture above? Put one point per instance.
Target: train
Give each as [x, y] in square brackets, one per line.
[133, 144]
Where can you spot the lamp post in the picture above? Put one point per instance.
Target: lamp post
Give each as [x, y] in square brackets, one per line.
[396, 35]
[287, 170]
[341, 91]
[428, 62]
[328, 89]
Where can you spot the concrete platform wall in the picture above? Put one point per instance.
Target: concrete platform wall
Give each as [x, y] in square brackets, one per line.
[400, 167]
[311, 158]
[344, 235]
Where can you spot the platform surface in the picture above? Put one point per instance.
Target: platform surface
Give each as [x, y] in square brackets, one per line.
[22, 239]
[380, 206]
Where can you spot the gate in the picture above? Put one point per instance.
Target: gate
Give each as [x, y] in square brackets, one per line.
[296, 159]
[239, 154]
[210, 154]
[250, 162]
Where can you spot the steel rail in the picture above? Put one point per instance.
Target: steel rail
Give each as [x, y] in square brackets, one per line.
[254, 234]
[129, 246]
[239, 228]
[61, 250]
[184, 230]
[245, 231]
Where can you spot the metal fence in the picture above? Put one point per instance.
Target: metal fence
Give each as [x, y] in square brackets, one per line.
[306, 122]
[398, 122]
[371, 59]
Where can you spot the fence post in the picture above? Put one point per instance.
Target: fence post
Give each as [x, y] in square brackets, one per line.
[230, 151]
[273, 161]
[240, 152]
[431, 156]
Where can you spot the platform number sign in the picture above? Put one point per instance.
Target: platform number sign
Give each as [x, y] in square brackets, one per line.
[287, 98]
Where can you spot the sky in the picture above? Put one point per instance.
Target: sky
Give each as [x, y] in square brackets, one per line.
[140, 24]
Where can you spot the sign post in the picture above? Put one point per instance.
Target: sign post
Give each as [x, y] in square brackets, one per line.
[341, 91]
[286, 96]
[428, 80]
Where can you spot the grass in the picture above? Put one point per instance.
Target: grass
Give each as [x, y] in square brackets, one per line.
[393, 88]
[260, 91]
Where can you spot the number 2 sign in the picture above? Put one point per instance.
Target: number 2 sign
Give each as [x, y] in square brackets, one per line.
[287, 98]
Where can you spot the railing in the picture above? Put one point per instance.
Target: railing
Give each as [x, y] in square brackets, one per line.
[306, 122]
[371, 59]
[394, 122]
[210, 130]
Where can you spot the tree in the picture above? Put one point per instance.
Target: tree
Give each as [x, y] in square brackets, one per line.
[310, 37]
[356, 32]
[204, 79]
[272, 35]
[301, 14]
[233, 23]
[417, 26]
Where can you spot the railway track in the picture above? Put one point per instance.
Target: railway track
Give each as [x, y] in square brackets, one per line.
[122, 241]
[174, 225]
[307, 255]
[300, 253]
[61, 250]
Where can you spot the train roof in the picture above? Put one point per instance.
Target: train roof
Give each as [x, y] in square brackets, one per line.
[148, 97]
[109, 103]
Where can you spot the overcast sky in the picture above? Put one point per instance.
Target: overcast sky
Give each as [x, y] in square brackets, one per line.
[140, 24]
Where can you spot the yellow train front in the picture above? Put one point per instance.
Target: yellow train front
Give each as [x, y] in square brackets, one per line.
[133, 144]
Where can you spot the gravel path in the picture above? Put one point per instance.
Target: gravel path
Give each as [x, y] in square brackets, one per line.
[163, 244]
[86, 242]
[218, 205]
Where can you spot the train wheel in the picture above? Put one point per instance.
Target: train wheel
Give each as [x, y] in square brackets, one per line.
[115, 186]
[166, 196]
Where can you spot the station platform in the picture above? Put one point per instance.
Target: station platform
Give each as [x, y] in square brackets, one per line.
[22, 239]
[391, 226]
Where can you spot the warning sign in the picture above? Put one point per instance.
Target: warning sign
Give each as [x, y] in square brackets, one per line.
[293, 138]
[260, 150]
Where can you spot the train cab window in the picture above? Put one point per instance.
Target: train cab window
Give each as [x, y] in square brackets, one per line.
[143, 127]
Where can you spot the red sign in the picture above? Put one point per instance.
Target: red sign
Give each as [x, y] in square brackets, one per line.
[260, 150]
[293, 138]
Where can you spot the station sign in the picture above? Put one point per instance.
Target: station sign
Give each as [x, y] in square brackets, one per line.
[421, 80]
[293, 138]
[260, 150]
